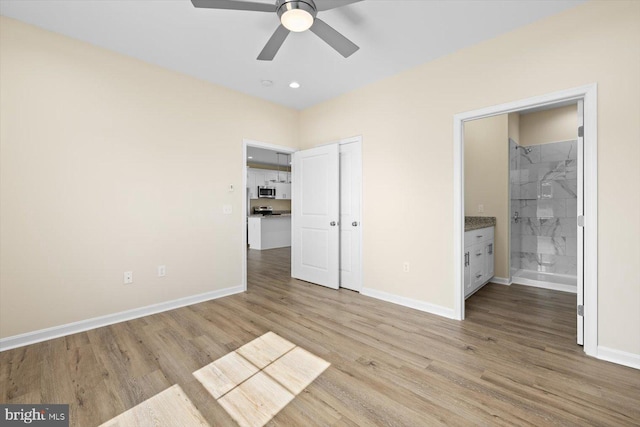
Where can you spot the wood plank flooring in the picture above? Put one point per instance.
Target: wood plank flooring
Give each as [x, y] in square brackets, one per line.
[513, 361]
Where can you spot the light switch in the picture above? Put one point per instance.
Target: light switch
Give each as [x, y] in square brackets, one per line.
[227, 209]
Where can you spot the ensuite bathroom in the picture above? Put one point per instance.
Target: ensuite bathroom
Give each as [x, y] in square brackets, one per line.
[521, 170]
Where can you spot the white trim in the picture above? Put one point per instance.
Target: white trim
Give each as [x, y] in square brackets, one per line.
[589, 94]
[620, 357]
[96, 322]
[252, 143]
[501, 280]
[544, 285]
[409, 302]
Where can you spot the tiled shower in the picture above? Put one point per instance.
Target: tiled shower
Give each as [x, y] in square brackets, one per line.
[543, 183]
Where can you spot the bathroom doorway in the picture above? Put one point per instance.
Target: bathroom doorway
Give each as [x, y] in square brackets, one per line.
[584, 98]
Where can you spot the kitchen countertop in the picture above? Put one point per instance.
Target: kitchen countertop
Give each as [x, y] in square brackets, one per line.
[477, 222]
[283, 215]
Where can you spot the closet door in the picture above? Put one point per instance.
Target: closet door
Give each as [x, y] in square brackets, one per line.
[315, 245]
[350, 215]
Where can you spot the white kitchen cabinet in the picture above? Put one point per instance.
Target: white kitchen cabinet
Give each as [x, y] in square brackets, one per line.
[269, 178]
[255, 179]
[283, 191]
[478, 259]
[269, 232]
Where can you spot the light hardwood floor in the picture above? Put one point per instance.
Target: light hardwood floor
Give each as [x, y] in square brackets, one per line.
[513, 361]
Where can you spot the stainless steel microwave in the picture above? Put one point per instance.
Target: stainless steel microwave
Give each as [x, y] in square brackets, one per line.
[267, 192]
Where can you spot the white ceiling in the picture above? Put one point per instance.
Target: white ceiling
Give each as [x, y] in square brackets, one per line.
[221, 46]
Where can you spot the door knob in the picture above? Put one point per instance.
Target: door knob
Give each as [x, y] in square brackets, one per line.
[332, 223]
[354, 223]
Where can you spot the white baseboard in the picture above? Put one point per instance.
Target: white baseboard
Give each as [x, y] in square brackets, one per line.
[84, 325]
[409, 302]
[544, 285]
[501, 280]
[620, 357]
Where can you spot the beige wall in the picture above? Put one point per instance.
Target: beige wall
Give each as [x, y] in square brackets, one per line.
[406, 125]
[558, 124]
[486, 180]
[110, 164]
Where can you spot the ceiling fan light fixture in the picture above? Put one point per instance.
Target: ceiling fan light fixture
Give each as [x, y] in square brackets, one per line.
[297, 20]
[297, 15]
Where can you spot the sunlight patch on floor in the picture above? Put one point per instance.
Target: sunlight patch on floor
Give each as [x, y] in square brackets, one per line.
[171, 407]
[259, 379]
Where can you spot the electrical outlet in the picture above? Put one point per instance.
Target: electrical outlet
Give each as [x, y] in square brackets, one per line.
[128, 277]
[162, 270]
[405, 267]
[480, 208]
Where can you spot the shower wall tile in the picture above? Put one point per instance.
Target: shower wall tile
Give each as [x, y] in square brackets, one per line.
[533, 156]
[548, 227]
[558, 151]
[551, 208]
[564, 189]
[569, 226]
[572, 207]
[572, 246]
[543, 187]
[571, 169]
[544, 245]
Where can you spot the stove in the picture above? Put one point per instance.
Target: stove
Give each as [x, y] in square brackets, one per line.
[263, 210]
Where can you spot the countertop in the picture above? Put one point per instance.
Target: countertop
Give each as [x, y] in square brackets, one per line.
[281, 215]
[477, 222]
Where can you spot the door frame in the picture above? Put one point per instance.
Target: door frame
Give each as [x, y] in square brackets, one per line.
[588, 94]
[258, 144]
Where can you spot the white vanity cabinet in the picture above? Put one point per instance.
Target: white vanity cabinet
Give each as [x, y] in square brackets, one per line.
[478, 258]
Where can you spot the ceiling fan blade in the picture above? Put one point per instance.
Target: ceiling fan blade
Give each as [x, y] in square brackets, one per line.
[332, 4]
[273, 45]
[234, 5]
[343, 45]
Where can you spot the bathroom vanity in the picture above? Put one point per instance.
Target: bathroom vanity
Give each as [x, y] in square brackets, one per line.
[478, 253]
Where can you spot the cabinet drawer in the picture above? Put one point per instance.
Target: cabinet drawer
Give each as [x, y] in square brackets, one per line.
[477, 236]
[476, 256]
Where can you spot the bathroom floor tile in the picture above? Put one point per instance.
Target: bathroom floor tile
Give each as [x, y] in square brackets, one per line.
[297, 369]
[171, 407]
[265, 349]
[256, 401]
[225, 373]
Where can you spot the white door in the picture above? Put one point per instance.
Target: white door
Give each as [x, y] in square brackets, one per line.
[580, 231]
[350, 215]
[315, 254]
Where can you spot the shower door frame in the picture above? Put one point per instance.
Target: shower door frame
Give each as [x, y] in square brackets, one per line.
[588, 94]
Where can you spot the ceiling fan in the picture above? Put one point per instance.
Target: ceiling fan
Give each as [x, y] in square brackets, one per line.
[296, 16]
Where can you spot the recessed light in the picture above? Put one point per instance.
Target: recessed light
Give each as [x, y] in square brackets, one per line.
[294, 85]
[250, 157]
[266, 83]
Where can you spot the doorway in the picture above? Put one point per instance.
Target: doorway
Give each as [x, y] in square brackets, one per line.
[338, 257]
[586, 304]
[266, 165]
